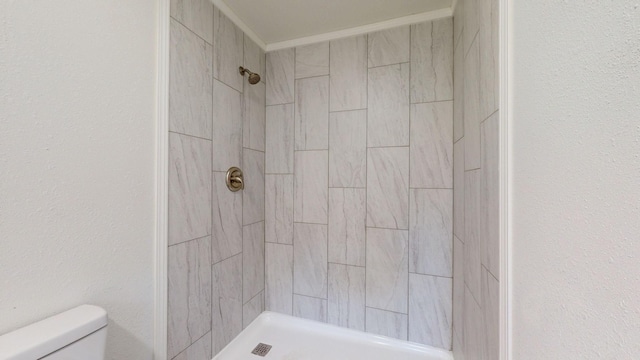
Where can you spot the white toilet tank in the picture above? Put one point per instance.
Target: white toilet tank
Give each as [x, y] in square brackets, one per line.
[77, 334]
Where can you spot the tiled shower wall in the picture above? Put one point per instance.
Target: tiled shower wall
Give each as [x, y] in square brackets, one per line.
[359, 182]
[476, 182]
[216, 237]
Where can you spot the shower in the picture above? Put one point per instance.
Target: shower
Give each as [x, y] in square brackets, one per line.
[253, 77]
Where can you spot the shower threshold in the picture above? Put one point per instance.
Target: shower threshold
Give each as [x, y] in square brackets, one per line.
[290, 338]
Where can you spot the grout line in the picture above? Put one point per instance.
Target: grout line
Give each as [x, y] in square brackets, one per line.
[191, 136]
[393, 64]
[227, 258]
[191, 31]
[381, 228]
[388, 147]
[389, 311]
[186, 241]
[311, 297]
[437, 276]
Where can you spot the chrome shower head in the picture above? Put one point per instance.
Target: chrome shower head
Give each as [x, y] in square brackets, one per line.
[253, 77]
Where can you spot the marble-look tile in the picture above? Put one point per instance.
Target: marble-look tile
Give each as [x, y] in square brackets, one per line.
[347, 233]
[387, 269]
[280, 76]
[472, 255]
[472, 109]
[252, 309]
[226, 220]
[348, 64]
[312, 114]
[388, 111]
[430, 232]
[458, 350]
[227, 121]
[254, 118]
[348, 149]
[189, 302]
[312, 60]
[311, 186]
[458, 189]
[190, 83]
[458, 94]
[473, 337]
[430, 310]
[471, 22]
[279, 139]
[388, 47]
[310, 260]
[490, 316]
[458, 22]
[279, 278]
[490, 201]
[346, 296]
[200, 350]
[197, 15]
[252, 260]
[489, 59]
[279, 209]
[254, 57]
[310, 308]
[228, 50]
[227, 301]
[432, 61]
[253, 193]
[388, 188]
[387, 323]
[189, 188]
[458, 287]
[432, 145]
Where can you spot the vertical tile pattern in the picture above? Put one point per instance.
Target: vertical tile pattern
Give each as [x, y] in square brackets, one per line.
[279, 209]
[227, 137]
[312, 114]
[312, 60]
[388, 47]
[458, 189]
[228, 50]
[226, 220]
[489, 63]
[347, 216]
[348, 149]
[252, 309]
[432, 145]
[280, 76]
[388, 188]
[430, 231]
[253, 132]
[387, 323]
[196, 15]
[388, 109]
[473, 327]
[253, 193]
[490, 316]
[189, 302]
[252, 260]
[227, 301]
[490, 187]
[432, 61]
[458, 288]
[430, 316]
[279, 278]
[472, 109]
[310, 308]
[348, 67]
[458, 93]
[347, 296]
[387, 269]
[311, 186]
[310, 260]
[189, 188]
[190, 83]
[472, 261]
[279, 139]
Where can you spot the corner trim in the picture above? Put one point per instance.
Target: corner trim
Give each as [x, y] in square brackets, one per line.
[222, 6]
[359, 30]
[162, 188]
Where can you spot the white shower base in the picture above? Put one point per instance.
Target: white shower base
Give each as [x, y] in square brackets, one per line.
[297, 339]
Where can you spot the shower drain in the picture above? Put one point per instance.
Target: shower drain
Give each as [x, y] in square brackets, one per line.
[261, 349]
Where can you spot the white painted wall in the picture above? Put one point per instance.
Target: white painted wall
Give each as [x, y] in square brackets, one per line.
[576, 179]
[77, 155]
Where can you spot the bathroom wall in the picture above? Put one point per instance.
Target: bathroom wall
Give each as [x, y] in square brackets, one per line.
[359, 182]
[216, 237]
[575, 175]
[476, 182]
[77, 155]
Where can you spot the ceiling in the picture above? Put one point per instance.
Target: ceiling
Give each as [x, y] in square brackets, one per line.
[281, 20]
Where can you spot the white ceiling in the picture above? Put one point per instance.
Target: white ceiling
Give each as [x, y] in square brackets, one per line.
[281, 20]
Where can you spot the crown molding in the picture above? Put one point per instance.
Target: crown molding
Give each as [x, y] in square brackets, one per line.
[222, 6]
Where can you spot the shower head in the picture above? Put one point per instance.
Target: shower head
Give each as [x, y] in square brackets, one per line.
[253, 77]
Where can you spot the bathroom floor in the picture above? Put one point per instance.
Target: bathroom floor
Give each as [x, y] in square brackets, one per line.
[295, 339]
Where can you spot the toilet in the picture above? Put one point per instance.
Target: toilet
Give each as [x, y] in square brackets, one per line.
[77, 334]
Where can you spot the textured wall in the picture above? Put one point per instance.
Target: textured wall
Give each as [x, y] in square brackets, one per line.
[576, 170]
[77, 155]
[476, 183]
[216, 237]
[359, 178]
